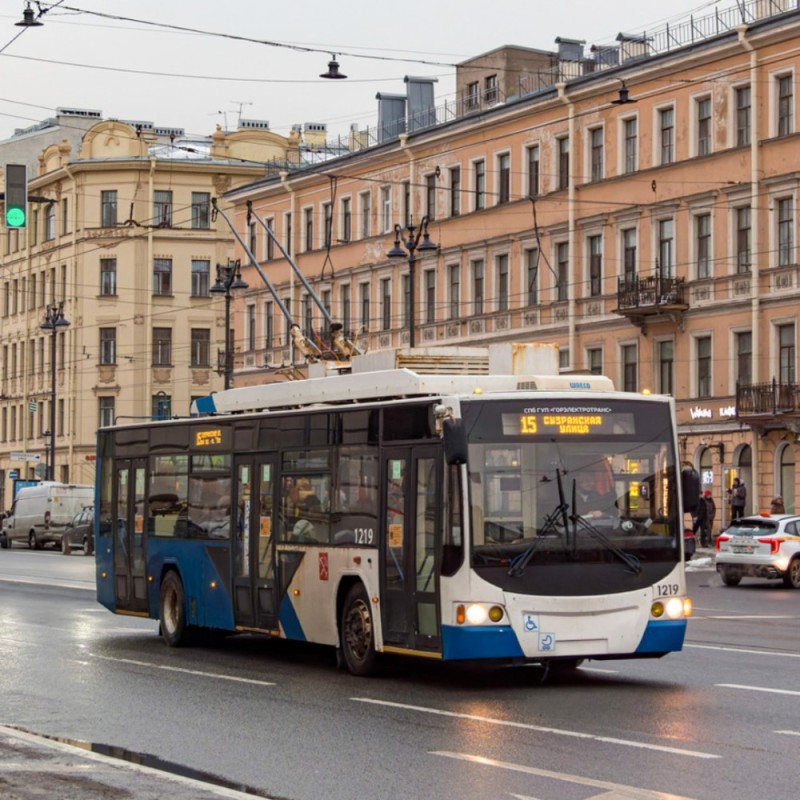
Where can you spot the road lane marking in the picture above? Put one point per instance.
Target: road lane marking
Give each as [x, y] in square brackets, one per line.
[538, 728]
[791, 692]
[215, 675]
[620, 789]
[740, 650]
[789, 733]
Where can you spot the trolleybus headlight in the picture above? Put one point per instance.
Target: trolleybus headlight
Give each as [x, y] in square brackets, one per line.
[675, 607]
[476, 614]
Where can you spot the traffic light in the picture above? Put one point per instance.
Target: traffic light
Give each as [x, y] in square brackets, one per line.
[16, 214]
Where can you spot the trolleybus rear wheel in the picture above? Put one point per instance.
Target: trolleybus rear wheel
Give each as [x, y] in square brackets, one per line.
[173, 615]
[357, 632]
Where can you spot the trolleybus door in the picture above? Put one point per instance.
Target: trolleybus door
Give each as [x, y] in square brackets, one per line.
[130, 558]
[412, 528]
[254, 545]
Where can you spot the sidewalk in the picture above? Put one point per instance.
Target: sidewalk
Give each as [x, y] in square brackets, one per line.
[33, 767]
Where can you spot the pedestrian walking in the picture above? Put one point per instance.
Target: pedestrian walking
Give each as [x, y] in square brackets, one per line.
[711, 508]
[738, 498]
[701, 522]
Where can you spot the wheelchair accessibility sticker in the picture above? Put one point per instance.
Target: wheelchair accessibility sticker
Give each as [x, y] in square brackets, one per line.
[530, 622]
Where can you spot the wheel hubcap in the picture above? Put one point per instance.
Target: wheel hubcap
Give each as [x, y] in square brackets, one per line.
[170, 612]
[358, 631]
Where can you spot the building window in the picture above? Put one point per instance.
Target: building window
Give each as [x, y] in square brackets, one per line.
[327, 226]
[50, 222]
[454, 276]
[363, 300]
[344, 308]
[64, 216]
[430, 295]
[201, 204]
[250, 327]
[288, 225]
[533, 170]
[308, 218]
[480, 184]
[703, 107]
[631, 145]
[503, 178]
[406, 203]
[162, 347]
[108, 208]
[366, 214]
[594, 360]
[386, 209]
[702, 229]
[786, 354]
[347, 220]
[785, 231]
[629, 256]
[406, 294]
[473, 95]
[743, 116]
[563, 162]
[666, 243]
[562, 270]
[201, 270]
[703, 348]
[108, 345]
[430, 196]
[162, 276]
[386, 304]
[532, 276]
[106, 413]
[253, 239]
[595, 265]
[630, 367]
[455, 191]
[785, 105]
[666, 126]
[743, 239]
[502, 283]
[270, 242]
[161, 406]
[491, 89]
[666, 366]
[162, 208]
[269, 324]
[596, 158]
[201, 347]
[477, 287]
[108, 277]
[744, 358]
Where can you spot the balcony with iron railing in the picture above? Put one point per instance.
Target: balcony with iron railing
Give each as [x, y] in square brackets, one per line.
[767, 401]
[640, 299]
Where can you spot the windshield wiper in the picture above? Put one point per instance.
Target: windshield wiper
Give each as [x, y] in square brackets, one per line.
[629, 560]
[558, 514]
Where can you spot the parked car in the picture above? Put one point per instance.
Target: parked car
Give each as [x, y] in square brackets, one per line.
[41, 512]
[763, 546]
[79, 533]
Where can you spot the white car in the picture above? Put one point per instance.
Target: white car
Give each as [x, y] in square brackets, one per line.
[765, 546]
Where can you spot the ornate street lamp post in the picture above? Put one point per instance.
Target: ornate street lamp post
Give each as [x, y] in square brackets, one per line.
[54, 319]
[229, 277]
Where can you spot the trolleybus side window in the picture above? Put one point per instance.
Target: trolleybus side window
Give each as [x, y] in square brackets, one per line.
[167, 496]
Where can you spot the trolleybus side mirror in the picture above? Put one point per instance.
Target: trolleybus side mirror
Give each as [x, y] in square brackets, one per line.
[455, 441]
[690, 486]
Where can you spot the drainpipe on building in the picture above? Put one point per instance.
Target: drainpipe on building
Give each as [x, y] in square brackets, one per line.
[72, 362]
[149, 332]
[755, 250]
[290, 248]
[573, 250]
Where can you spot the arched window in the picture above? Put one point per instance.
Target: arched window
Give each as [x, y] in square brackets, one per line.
[706, 468]
[784, 485]
[744, 462]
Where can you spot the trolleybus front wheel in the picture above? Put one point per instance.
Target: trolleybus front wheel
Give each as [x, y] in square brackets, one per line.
[357, 632]
[173, 615]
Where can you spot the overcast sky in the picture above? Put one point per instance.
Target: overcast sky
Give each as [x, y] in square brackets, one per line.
[69, 60]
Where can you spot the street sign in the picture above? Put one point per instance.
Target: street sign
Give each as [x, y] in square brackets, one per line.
[32, 407]
[26, 457]
[13, 474]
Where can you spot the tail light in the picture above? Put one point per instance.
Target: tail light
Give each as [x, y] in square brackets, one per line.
[721, 538]
[774, 544]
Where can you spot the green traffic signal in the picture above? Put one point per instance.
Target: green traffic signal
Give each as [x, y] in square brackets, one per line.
[16, 196]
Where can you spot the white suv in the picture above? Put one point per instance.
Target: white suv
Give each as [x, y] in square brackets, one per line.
[766, 546]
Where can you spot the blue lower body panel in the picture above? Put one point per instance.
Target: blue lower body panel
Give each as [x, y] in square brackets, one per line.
[292, 628]
[663, 636]
[467, 643]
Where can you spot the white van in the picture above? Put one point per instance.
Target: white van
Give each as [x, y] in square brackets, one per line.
[40, 513]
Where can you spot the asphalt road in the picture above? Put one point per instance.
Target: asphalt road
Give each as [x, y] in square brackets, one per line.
[719, 720]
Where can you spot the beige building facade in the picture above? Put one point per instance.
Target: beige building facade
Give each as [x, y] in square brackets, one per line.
[639, 209]
[122, 238]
